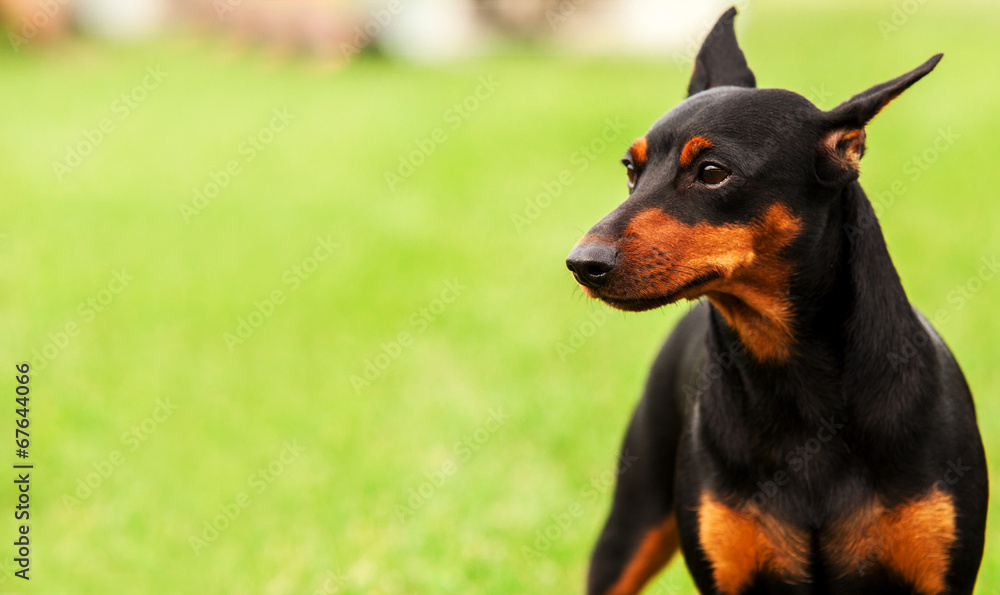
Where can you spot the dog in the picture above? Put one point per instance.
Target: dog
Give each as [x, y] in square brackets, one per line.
[804, 429]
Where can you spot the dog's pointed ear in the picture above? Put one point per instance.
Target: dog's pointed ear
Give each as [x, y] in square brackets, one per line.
[842, 140]
[720, 60]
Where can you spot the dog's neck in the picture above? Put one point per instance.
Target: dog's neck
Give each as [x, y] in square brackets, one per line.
[849, 361]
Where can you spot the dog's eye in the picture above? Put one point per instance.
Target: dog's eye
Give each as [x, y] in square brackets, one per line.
[712, 174]
[632, 175]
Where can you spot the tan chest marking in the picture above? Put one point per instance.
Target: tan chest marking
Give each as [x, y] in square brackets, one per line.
[741, 543]
[912, 541]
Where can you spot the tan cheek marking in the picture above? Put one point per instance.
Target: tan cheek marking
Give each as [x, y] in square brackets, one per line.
[704, 246]
[662, 254]
[740, 544]
[912, 541]
[695, 145]
[639, 151]
[656, 549]
[754, 299]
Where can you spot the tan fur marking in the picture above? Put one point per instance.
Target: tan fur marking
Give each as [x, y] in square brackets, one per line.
[656, 549]
[661, 255]
[741, 543]
[695, 145]
[639, 151]
[913, 541]
[845, 147]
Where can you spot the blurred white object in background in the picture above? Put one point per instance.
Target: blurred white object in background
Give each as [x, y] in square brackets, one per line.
[442, 29]
[651, 27]
[121, 19]
[668, 24]
[428, 29]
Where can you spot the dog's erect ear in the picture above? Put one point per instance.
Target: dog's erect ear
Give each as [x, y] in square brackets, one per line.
[843, 139]
[720, 60]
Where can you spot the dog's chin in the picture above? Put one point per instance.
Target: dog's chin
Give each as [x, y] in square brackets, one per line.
[640, 304]
[691, 290]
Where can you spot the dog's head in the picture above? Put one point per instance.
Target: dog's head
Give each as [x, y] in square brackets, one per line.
[721, 187]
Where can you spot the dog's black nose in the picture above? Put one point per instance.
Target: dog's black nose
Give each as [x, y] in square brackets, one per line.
[591, 263]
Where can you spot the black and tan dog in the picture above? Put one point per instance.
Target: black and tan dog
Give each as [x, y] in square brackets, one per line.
[804, 429]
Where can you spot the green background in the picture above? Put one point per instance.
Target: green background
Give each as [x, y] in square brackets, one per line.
[343, 461]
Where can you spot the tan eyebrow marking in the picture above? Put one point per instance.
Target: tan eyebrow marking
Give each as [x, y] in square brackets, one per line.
[638, 150]
[695, 145]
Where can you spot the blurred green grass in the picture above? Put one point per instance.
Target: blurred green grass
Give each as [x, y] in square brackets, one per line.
[500, 346]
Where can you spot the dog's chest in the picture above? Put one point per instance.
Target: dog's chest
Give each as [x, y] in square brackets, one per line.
[909, 542]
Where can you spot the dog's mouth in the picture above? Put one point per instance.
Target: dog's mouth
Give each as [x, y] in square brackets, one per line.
[689, 290]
